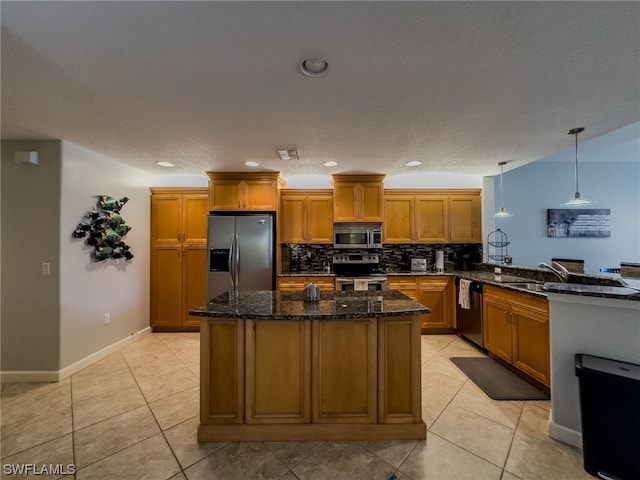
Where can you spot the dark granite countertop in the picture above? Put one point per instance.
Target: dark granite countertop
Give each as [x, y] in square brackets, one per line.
[578, 284]
[277, 305]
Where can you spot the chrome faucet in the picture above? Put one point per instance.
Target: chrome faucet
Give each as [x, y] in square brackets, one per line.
[560, 271]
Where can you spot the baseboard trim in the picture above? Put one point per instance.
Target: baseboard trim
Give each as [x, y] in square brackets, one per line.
[565, 435]
[35, 376]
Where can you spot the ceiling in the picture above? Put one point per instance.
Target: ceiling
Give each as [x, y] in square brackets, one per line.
[459, 86]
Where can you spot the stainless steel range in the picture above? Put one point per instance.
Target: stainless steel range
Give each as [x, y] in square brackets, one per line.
[358, 271]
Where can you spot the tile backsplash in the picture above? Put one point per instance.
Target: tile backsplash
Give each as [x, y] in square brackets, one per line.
[393, 257]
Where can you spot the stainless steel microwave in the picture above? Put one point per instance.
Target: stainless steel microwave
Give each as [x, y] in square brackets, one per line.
[357, 235]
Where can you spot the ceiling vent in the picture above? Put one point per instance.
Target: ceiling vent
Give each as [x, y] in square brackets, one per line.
[288, 154]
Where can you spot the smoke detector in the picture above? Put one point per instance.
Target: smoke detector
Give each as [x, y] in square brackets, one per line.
[288, 154]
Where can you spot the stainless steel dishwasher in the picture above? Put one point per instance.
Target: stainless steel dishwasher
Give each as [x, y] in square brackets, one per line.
[470, 323]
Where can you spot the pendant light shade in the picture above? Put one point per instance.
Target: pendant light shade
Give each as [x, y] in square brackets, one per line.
[576, 200]
[502, 212]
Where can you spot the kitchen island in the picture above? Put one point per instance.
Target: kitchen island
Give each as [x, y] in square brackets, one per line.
[276, 368]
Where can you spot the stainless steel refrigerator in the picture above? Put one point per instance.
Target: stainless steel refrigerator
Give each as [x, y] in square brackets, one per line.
[241, 252]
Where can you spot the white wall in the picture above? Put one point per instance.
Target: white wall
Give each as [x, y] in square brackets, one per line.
[90, 289]
[610, 175]
[30, 326]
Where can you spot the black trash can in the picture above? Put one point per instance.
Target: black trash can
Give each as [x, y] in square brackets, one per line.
[610, 414]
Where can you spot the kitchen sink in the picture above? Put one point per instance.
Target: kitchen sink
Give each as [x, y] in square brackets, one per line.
[536, 287]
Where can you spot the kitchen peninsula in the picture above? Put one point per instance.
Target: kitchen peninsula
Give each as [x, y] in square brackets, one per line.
[276, 368]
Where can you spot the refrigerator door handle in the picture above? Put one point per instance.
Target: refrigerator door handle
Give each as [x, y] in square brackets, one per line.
[231, 263]
[237, 262]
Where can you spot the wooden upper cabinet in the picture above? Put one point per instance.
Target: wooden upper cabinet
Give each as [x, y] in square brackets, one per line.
[306, 216]
[179, 216]
[432, 216]
[399, 218]
[358, 198]
[243, 191]
[178, 266]
[464, 218]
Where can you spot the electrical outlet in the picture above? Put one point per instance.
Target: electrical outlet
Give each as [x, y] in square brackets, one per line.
[107, 318]
[46, 268]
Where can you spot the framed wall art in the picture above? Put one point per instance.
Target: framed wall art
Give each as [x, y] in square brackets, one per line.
[578, 222]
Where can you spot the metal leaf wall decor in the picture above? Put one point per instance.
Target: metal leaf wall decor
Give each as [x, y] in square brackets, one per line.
[103, 227]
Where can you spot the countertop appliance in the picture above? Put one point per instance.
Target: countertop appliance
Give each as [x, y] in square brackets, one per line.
[241, 251]
[357, 235]
[358, 271]
[470, 321]
[418, 264]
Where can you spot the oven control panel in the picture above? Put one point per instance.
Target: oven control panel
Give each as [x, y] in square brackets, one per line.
[356, 258]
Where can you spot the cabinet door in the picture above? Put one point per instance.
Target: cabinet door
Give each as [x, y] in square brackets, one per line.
[531, 343]
[370, 198]
[435, 294]
[319, 214]
[464, 219]
[222, 371]
[326, 284]
[398, 219]
[291, 284]
[497, 327]
[225, 194]
[344, 371]
[293, 219]
[345, 202]
[259, 194]
[431, 219]
[195, 209]
[166, 219]
[399, 394]
[166, 279]
[278, 372]
[194, 284]
[407, 285]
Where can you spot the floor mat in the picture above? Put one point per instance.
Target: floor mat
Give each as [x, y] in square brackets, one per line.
[496, 381]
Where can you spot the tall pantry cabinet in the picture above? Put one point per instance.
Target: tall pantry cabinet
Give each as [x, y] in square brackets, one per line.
[178, 256]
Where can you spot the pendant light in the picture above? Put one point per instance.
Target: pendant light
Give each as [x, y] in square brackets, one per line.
[502, 212]
[576, 200]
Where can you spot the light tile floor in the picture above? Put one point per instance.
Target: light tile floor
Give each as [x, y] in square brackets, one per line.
[134, 415]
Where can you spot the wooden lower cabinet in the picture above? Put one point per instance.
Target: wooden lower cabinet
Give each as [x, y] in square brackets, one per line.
[278, 371]
[344, 371]
[406, 284]
[434, 292]
[296, 284]
[349, 379]
[437, 294]
[178, 285]
[222, 371]
[516, 329]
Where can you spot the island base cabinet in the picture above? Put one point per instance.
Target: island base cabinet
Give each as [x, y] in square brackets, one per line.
[308, 380]
[222, 371]
[344, 371]
[277, 371]
[399, 379]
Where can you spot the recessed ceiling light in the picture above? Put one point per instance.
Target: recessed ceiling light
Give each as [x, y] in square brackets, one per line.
[251, 164]
[314, 67]
[165, 164]
[413, 163]
[330, 163]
